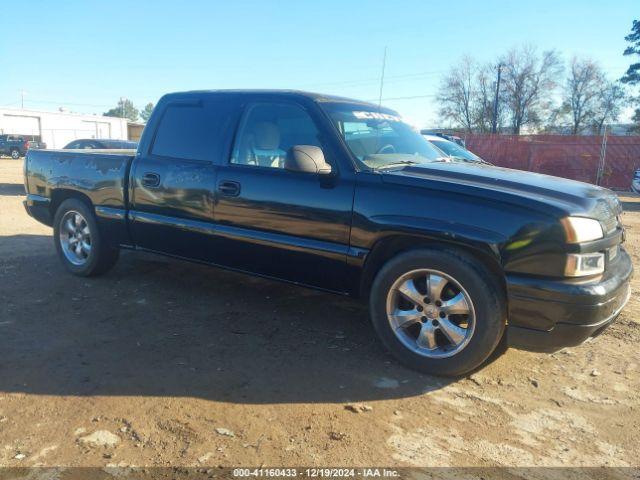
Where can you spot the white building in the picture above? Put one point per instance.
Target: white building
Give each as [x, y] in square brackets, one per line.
[56, 129]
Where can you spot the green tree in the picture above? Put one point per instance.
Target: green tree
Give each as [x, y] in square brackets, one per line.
[125, 109]
[145, 113]
[632, 75]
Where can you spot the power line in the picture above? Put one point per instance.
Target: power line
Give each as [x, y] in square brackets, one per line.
[411, 97]
[376, 80]
[52, 102]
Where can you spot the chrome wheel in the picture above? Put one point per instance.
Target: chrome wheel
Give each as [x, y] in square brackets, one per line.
[15, 154]
[75, 237]
[430, 313]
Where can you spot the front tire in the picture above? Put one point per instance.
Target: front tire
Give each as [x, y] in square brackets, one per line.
[79, 242]
[15, 153]
[440, 312]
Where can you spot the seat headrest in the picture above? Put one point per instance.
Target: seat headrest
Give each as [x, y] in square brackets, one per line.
[266, 136]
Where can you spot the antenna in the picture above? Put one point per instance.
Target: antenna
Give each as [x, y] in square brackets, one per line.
[384, 63]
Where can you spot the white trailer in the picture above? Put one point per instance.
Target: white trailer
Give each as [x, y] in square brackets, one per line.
[56, 129]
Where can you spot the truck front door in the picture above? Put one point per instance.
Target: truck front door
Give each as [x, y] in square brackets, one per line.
[276, 222]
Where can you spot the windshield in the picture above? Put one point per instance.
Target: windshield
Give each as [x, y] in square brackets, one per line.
[456, 151]
[379, 138]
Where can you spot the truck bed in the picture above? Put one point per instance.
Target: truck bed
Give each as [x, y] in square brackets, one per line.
[100, 175]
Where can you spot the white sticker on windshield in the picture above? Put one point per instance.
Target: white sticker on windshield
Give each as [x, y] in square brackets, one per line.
[377, 116]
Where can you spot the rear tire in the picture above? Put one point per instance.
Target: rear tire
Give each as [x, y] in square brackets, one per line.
[450, 302]
[79, 242]
[15, 153]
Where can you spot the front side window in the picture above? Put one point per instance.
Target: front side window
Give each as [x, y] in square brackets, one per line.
[379, 138]
[268, 131]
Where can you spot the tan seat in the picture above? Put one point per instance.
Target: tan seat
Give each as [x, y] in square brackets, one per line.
[266, 145]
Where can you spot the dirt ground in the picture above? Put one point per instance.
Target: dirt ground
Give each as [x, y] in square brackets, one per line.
[163, 363]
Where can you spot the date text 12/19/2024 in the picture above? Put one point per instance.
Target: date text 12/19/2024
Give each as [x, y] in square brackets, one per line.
[316, 472]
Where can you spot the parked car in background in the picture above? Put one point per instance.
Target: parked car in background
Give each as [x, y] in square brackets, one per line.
[101, 144]
[14, 146]
[341, 195]
[451, 138]
[635, 183]
[36, 145]
[454, 150]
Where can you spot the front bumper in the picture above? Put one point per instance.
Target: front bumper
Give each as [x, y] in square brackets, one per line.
[547, 315]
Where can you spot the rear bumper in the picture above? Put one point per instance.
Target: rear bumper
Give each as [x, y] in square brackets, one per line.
[38, 207]
[547, 315]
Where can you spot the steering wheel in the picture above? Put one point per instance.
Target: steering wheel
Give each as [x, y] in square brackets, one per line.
[388, 148]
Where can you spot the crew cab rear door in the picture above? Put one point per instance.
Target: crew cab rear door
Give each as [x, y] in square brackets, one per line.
[272, 221]
[173, 177]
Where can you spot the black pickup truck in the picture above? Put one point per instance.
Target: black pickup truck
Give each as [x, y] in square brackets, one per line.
[341, 195]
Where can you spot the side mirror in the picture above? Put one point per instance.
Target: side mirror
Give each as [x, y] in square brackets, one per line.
[307, 159]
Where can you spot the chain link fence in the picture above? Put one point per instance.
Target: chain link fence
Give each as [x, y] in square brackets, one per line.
[608, 161]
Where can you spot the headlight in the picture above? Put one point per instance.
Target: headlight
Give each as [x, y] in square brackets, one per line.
[583, 264]
[580, 229]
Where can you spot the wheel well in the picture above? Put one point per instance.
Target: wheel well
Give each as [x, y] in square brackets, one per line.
[388, 248]
[59, 195]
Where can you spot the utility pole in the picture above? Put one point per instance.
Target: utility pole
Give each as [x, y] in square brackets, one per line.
[603, 157]
[384, 63]
[495, 102]
[22, 92]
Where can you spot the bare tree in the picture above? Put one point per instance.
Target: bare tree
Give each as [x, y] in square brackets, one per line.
[485, 98]
[529, 82]
[581, 92]
[456, 94]
[611, 99]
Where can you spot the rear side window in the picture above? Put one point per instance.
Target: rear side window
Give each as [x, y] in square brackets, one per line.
[192, 131]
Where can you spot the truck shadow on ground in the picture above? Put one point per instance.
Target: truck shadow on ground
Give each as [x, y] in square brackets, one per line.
[158, 327]
[630, 206]
[12, 189]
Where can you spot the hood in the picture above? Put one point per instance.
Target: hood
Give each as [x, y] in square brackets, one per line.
[532, 190]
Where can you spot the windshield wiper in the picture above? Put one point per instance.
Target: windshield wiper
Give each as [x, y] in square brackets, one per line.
[398, 164]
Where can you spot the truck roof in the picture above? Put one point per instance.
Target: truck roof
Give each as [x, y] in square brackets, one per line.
[316, 97]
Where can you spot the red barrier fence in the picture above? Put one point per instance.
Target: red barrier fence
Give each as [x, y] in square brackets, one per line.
[570, 156]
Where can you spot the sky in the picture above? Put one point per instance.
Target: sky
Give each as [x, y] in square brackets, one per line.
[84, 56]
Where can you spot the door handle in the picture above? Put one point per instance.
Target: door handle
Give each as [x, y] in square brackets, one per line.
[229, 188]
[151, 179]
